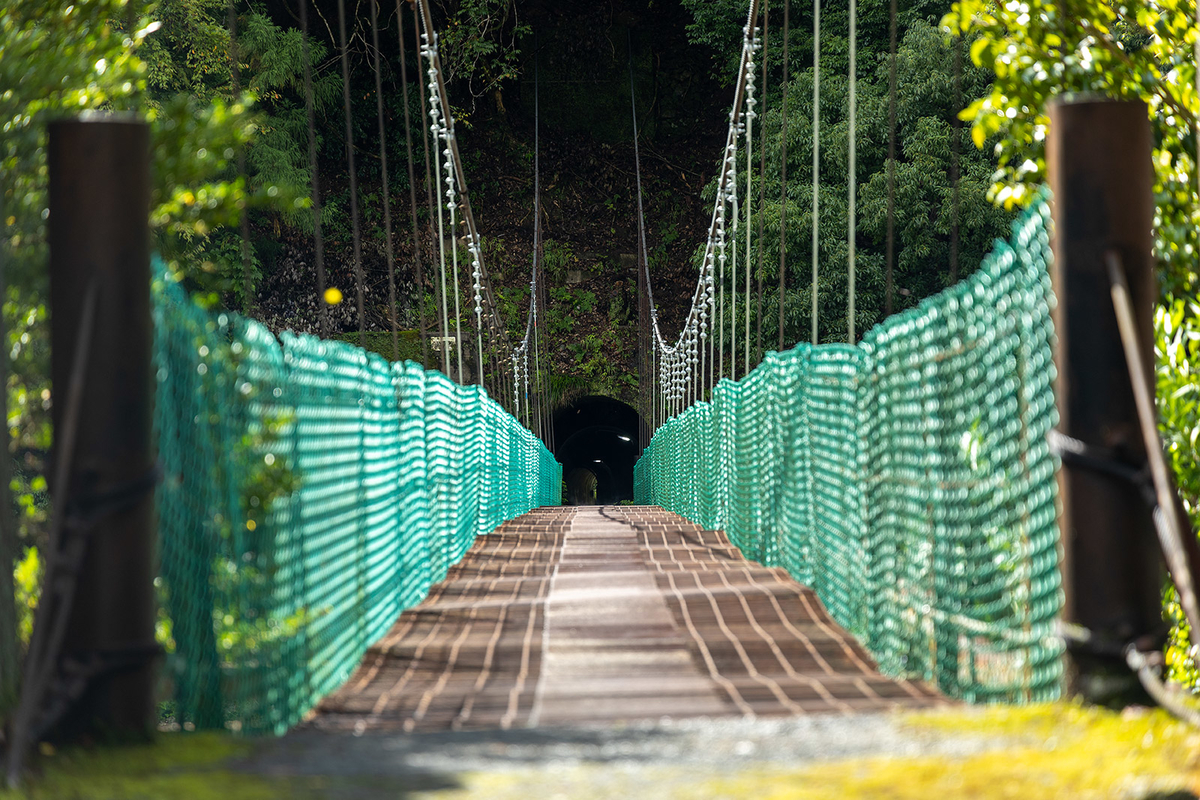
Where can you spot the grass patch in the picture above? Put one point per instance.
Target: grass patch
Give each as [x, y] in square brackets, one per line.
[174, 766]
[1047, 751]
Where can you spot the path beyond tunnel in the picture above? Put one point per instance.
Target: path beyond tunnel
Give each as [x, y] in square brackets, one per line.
[596, 440]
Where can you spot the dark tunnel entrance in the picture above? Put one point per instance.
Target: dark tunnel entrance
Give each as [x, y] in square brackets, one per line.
[596, 441]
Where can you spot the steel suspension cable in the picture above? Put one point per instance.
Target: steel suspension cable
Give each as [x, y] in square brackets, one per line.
[456, 189]
[389, 252]
[733, 273]
[637, 171]
[412, 188]
[535, 291]
[850, 269]
[762, 187]
[358, 274]
[682, 380]
[427, 123]
[816, 161]
[244, 216]
[956, 144]
[783, 198]
[318, 239]
[451, 209]
[889, 285]
[722, 258]
[435, 125]
[751, 103]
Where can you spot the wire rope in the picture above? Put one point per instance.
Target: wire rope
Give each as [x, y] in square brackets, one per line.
[310, 114]
[452, 213]
[816, 164]
[244, 216]
[679, 365]
[889, 279]
[851, 170]
[751, 104]
[955, 160]
[637, 160]
[722, 257]
[358, 279]
[457, 197]
[439, 288]
[412, 190]
[535, 288]
[389, 251]
[733, 272]
[762, 187]
[354, 222]
[429, 51]
[783, 198]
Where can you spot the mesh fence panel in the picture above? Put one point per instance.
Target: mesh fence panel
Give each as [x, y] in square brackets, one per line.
[312, 491]
[906, 479]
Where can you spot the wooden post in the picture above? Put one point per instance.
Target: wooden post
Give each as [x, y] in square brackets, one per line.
[99, 246]
[1099, 158]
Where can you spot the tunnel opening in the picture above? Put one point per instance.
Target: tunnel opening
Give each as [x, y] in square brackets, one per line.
[597, 441]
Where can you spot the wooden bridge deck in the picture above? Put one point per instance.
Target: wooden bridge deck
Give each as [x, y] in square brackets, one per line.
[607, 614]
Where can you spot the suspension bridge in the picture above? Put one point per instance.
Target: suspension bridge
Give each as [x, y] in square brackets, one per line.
[348, 543]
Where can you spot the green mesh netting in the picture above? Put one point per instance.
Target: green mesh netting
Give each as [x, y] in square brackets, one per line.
[311, 492]
[906, 479]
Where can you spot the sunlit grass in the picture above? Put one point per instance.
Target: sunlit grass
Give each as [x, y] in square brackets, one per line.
[1047, 751]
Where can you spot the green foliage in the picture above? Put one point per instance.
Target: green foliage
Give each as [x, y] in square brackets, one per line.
[594, 362]
[559, 319]
[618, 310]
[924, 190]
[205, 124]
[56, 58]
[557, 258]
[1178, 378]
[27, 578]
[479, 44]
[61, 58]
[1040, 49]
[585, 301]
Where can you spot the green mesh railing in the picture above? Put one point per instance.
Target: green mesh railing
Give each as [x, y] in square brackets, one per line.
[906, 479]
[311, 492]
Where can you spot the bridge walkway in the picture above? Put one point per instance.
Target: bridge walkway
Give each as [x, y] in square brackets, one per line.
[598, 615]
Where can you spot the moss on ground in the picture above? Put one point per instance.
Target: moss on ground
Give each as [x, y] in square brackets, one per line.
[1046, 751]
[191, 766]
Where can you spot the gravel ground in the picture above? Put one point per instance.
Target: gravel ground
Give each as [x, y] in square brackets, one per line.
[655, 759]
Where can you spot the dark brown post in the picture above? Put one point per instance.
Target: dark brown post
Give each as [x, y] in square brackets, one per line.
[1099, 157]
[99, 243]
